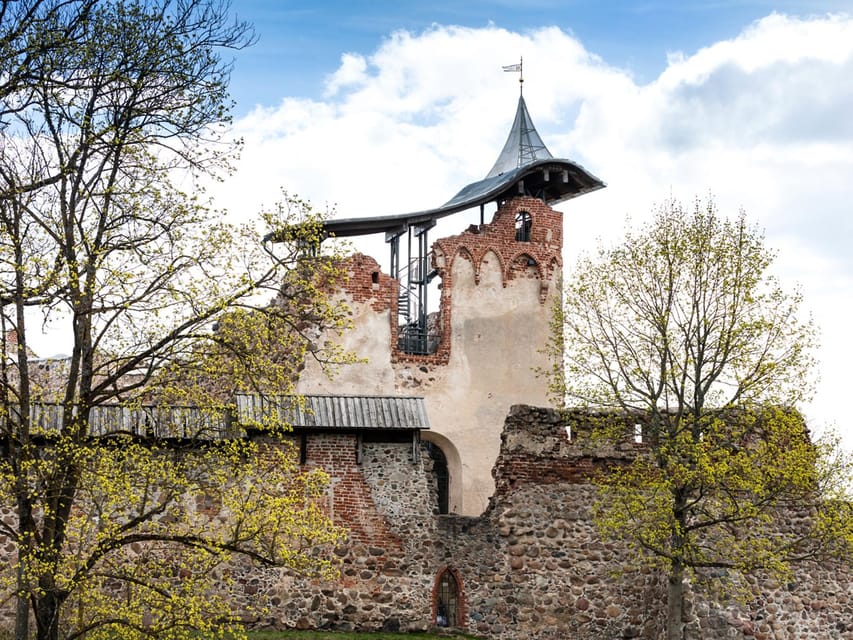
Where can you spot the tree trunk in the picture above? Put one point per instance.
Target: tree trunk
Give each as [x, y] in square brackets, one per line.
[19, 447]
[675, 604]
[47, 616]
[22, 610]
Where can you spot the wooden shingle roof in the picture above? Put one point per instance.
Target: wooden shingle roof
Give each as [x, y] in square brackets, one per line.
[335, 412]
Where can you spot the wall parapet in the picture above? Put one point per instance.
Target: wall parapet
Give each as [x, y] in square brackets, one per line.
[544, 446]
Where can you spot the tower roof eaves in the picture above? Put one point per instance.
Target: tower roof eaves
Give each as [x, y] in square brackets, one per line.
[555, 179]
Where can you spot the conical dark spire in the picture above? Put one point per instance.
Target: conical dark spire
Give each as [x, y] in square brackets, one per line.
[524, 167]
[523, 146]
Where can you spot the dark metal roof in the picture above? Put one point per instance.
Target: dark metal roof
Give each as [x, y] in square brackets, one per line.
[554, 180]
[335, 412]
[524, 166]
[523, 145]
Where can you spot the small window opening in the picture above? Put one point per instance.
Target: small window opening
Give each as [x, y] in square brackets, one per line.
[523, 226]
[303, 448]
[569, 432]
[638, 434]
[447, 605]
[374, 277]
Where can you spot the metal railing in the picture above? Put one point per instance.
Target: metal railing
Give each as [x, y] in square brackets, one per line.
[414, 335]
[416, 341]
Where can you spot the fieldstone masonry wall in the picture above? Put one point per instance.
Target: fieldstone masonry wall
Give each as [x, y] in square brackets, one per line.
[387, 502]
[531, 566]
[542, 484]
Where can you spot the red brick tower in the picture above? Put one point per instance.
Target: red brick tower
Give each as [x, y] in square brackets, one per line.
[461, 321]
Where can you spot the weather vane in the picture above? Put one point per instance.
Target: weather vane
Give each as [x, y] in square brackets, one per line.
[520, 69]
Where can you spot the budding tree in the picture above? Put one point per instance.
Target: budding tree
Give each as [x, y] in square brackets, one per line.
[106, 105]
[683, 326]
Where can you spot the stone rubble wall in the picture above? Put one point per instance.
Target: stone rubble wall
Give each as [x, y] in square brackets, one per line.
[387, 504]
[531, 566]
[541, 509]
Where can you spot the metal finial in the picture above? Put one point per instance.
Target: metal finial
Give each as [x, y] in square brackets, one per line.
[520, 69]
[520, 75]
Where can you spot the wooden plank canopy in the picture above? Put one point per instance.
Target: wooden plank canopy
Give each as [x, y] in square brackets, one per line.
[324, 412]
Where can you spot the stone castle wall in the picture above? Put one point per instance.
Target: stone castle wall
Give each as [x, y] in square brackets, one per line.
[533, 565]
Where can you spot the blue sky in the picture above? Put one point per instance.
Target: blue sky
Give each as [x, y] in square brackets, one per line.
[375, 108]
[299, 43]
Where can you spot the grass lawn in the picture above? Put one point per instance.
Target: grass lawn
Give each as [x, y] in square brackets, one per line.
[342, 635]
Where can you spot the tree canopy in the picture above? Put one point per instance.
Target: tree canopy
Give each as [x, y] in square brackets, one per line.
[683, 327]
[108, 109]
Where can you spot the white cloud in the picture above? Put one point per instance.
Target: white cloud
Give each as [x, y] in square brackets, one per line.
[351, 73]
[762, 121]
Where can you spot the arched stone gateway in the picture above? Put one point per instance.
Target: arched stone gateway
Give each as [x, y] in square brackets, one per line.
[448, 600]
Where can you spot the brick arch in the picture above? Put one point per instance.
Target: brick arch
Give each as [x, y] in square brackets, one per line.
[555, 265]
[529, 204]
[501, 267]
[540, 270]
[463, 251]
[461, 603]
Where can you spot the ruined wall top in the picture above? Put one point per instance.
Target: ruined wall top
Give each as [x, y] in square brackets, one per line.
[545, 446]
[522, 230]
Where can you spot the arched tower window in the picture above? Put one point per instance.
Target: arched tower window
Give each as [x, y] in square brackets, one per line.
[448, 601]
[442, 476]
[523, 226]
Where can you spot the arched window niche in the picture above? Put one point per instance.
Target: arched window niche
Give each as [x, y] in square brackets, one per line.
[523, 226]
[446, 473]
[448, 602]
[442, 477]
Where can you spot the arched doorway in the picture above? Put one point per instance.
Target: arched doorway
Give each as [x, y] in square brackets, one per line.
[448, 601]
[442, 476]
[447, 469]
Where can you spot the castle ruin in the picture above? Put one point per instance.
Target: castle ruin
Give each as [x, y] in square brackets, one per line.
[475, 353]
[466, 507]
